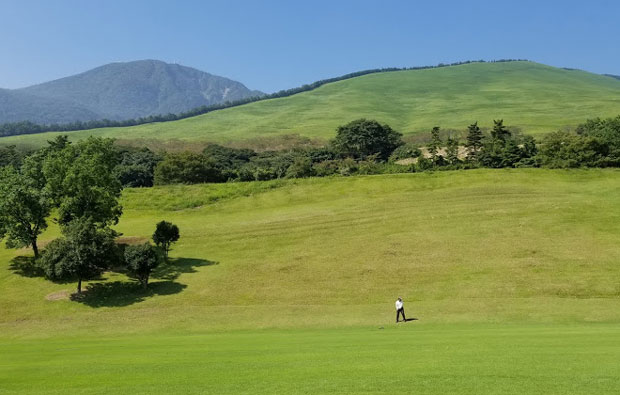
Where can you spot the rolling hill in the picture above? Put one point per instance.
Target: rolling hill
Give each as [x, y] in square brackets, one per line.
[527, 95]
[120, 91]
[512, 275]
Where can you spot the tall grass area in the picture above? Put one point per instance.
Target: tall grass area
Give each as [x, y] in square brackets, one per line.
[527, 95]
[289, 287]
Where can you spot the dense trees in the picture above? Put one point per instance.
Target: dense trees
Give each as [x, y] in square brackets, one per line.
[187, 168]
[362, 138]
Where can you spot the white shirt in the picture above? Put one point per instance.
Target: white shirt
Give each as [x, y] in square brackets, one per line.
[399, 305]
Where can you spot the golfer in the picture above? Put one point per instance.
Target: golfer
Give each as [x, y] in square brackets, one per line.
[400, 309]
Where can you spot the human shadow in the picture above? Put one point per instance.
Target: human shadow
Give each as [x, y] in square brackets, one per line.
[175, 267]
[411, 319]
[122, 293]
[26, 266]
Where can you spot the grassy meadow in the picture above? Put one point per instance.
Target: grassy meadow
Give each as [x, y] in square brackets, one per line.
[531, 96]
[288, 287]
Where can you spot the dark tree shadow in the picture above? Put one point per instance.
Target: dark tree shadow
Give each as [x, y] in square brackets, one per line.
[123, 293]
[173, 269]
[120, 293]
[25, 266]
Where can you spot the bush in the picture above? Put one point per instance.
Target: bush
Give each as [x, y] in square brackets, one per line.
[405, 151]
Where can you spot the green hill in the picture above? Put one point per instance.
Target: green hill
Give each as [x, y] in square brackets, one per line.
[531, 96]
[287, 286]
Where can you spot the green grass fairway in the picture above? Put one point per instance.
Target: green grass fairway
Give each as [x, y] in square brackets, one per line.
[534, 97]
[281, 287]
[420, 359]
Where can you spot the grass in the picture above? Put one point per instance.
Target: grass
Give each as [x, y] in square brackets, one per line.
[427, 359]
[513, 275]
[527, 95]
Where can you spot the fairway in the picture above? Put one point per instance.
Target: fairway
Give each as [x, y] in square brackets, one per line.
[283, 286]
[533, 97]
[421, 359]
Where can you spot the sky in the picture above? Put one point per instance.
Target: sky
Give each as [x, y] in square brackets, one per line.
[274, 45]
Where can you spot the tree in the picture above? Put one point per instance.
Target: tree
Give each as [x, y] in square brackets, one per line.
[24, 207]
[187, 168]
[165, 234]
[362, 138]
[499, 131]
[141, 260]
[435, 144]
[80, 178]
[474, 140]
[83, 253]
[452, 150]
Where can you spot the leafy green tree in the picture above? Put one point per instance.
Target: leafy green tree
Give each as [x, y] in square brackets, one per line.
[435, 144]
[24, 207]
[567, 150]
[141, 260]
[606, 131]
[362, 138]
[165, 234]
[84, 252]
[474, 140]
[452, 150]
[187, 168]
[80, 178]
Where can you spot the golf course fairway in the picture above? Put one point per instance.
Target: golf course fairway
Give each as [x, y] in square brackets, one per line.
[288, 286]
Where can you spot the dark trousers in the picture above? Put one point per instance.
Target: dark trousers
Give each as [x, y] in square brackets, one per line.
[399, 312]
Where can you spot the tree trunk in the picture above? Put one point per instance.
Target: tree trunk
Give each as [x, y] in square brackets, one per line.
[35, 248]
[79, 285]
[145, 283]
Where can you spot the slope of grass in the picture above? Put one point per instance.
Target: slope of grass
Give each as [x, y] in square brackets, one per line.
[512, 274]
[534, 97]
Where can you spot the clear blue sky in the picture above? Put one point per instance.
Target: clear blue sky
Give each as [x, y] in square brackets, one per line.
[272, 45]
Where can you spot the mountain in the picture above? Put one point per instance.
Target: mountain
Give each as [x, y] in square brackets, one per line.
[532, 96]
[17, 106]
[120, 91]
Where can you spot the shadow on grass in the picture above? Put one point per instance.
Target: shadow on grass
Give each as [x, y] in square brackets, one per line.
[173, 269]
[121, 293]
[25, 266]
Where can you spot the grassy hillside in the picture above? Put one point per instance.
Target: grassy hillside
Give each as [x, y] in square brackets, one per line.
[534, 97]
[283, 287]
[470, 246]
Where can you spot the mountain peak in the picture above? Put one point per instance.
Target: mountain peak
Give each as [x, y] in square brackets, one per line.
[122, 90]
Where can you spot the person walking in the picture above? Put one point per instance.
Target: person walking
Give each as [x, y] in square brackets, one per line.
[400, 309]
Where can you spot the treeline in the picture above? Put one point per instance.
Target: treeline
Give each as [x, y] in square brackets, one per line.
[27, 127]
[365, 147]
